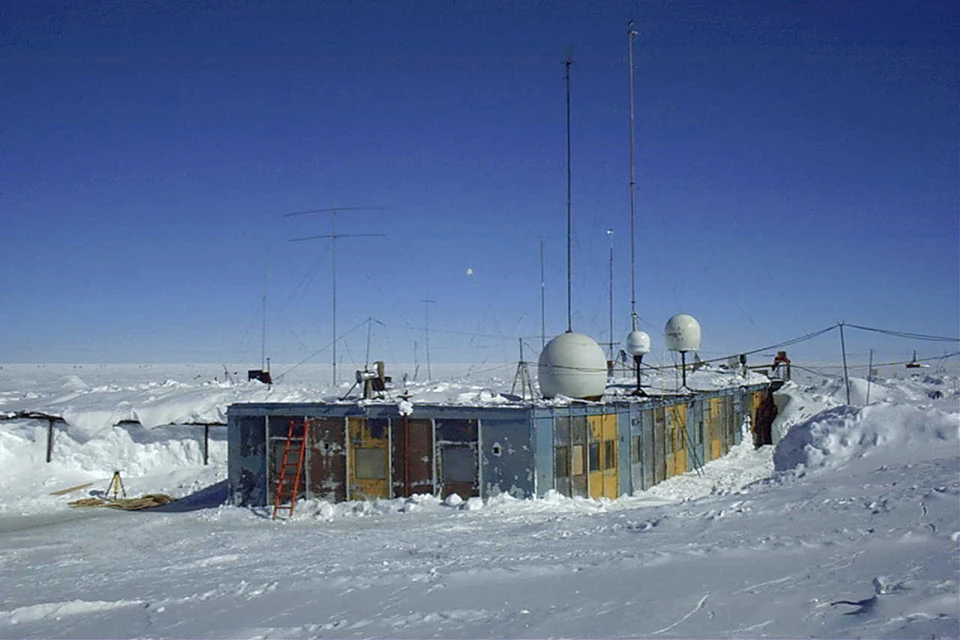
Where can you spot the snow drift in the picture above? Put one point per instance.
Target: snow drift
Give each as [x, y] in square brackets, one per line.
[875, 435]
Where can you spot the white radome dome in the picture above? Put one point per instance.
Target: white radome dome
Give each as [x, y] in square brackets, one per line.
[682, 333]
[637, 343]
[572, 365]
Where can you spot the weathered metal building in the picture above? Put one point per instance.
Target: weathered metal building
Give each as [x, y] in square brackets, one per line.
[362, 451]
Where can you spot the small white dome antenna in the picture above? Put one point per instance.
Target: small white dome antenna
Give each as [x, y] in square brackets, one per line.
[638, 345]
[683, 334]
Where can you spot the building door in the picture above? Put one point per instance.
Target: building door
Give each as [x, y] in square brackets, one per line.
[412, 443]
[369, 460]
[458, 456]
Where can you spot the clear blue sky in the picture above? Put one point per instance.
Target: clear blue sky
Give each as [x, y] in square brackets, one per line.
[797, 165]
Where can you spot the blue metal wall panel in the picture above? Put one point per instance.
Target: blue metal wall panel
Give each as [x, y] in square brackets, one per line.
[543, 440]
[507, 457]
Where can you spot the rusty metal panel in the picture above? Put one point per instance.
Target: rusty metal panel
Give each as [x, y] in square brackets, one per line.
[327, 468]
[369, 467]
[412, 456]
[507, 457]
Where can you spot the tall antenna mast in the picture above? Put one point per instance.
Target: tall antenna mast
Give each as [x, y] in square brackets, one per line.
[612, 343]
[568, 62]
[263, 324]
[333, 246]
[631, 34]
[543, 286]
[426, 314]
[637, 343]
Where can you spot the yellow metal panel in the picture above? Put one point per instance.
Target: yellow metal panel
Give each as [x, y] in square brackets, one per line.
[596, 427]
[715, 449]
[602, 450]
[676, 439]
[610, 457]
[676, 463]
[714, 428]
[677, 424]
[369, 466]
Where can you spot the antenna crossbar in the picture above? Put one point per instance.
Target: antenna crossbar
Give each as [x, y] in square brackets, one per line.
[333, 245]
[332, 210]
[340, 235]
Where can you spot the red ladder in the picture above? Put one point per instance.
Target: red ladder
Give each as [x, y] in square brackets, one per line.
[293, 453]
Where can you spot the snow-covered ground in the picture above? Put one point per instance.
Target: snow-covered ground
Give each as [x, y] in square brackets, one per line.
[848, 527]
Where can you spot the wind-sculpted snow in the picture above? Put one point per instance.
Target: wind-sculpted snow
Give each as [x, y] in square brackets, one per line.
[840, 436]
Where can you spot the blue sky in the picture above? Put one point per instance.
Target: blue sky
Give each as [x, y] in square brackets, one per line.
[797, 165]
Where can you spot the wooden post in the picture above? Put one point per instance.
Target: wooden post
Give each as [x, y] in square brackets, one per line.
[49, 440]
[206, 444]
